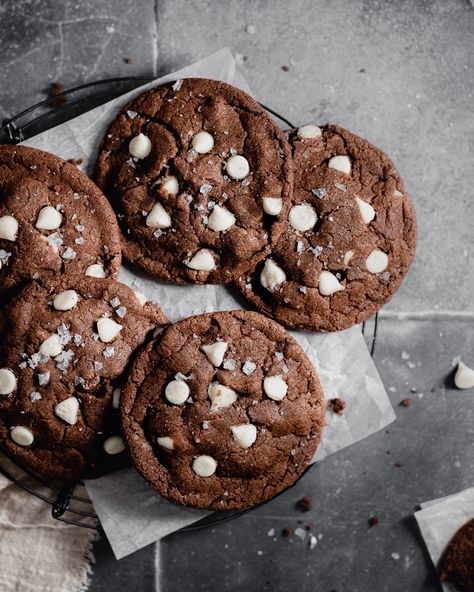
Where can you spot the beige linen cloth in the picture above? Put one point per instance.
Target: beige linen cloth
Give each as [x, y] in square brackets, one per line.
[37, 552]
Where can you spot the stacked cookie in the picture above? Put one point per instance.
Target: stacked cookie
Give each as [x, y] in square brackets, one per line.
[221, 410]
[69, 329]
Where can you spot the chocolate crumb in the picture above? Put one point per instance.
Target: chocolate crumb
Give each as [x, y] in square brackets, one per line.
[373, 520]
[286, 532]
[56, 89]
[285, 68]
[128, 60]
[406, 403]
[398, 464]
[309, 526]
[305, 504]
[362, 71]
[337, 405]
[75, 161]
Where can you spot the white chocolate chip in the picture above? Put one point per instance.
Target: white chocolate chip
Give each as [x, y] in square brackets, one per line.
[202, 261]
[140, 146]
[8, 228]
[221, 219]
[51, 346]
[340, 163]
[203, 142]
[221, 396]
[204, 465]
[348, 256]
[272, 276]
[114, 445]
[49, 219]
[170, 184]
[376, 262]
[237, 167]
[95, 270]
[108, 329]
[245, 435]
[464, 377]
[215, 352]
[302, 217]
[66, 300]
[142, 299]
[67, 410]
[22, 436]
[166, 442]
[309, 131]
[7, 381]
[329, 284]
[116, 397]
[366, 210]
[158, 217]
[272, 205]
[176, 392]
[275, 387]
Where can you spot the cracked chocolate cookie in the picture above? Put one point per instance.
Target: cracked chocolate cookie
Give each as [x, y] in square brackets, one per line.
[53, 220]
[457, 562]
[65, 346]
[222, 411]
[188, 168]
[349, 239]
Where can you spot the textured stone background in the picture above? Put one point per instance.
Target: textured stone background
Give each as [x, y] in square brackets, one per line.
[399, 73]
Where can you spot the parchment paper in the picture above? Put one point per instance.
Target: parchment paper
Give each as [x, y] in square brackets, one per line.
[440, 519]
[131, 513]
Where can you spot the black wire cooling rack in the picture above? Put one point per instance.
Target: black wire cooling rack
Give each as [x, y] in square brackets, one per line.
[68, 499]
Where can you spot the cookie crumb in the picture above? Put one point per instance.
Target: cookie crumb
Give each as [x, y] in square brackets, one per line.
[75, 161]
[287, 532]
[406, 403]
[337, 405]
[128, 60]
[55, 90]
[305, 504]
[373, 520]
[285, 68]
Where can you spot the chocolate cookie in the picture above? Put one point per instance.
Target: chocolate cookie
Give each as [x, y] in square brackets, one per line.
[349, 239]
[187, 167]
[222, 411]
[65, 346]
[53, 220]
[457, 563]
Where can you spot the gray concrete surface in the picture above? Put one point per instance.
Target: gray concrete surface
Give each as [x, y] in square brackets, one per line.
[401, 74]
